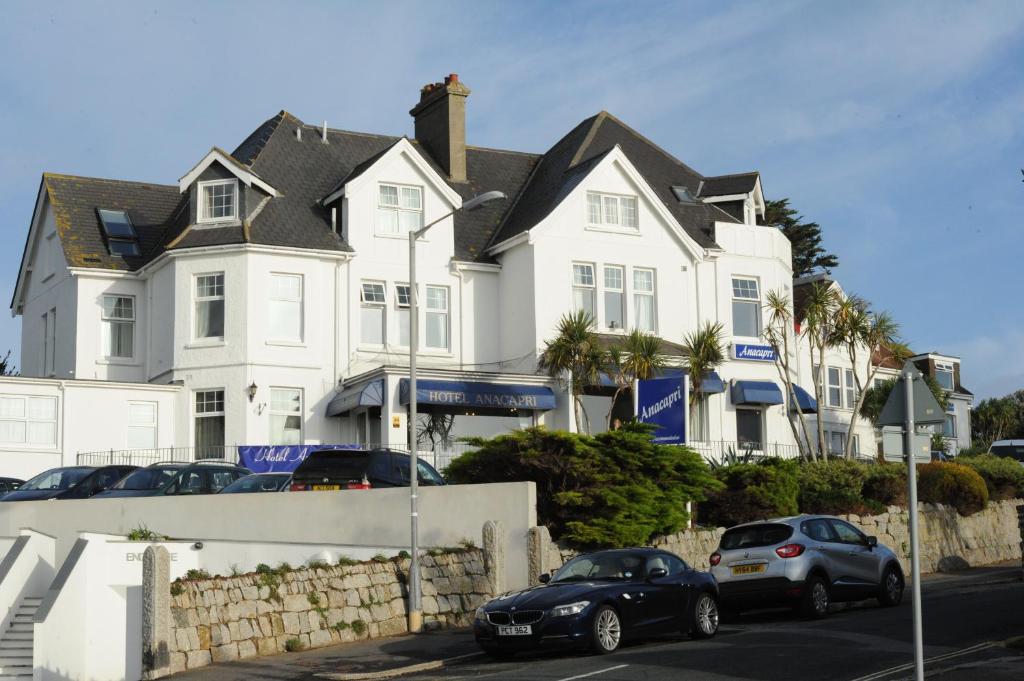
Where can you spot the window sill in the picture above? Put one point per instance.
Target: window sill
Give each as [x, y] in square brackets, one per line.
[213, 224]
[35, 449]
[400, 237]
[114, 361]
[627, 231]
[212, 343]
[287, 343]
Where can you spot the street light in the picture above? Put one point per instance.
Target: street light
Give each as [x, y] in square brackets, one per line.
[415, 607]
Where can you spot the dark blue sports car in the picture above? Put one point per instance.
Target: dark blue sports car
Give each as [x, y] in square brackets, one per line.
[599, 599]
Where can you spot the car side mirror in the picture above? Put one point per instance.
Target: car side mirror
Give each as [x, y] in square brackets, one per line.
[872, 542]
[657, 573]
[544, 578]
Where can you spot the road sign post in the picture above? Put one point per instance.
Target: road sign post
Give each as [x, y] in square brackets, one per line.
[912, 406]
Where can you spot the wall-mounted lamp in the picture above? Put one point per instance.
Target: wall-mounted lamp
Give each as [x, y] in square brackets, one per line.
[252, 391]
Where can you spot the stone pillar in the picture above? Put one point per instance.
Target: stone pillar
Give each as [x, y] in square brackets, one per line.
[156, 613]
[538, 543]
[494, 555]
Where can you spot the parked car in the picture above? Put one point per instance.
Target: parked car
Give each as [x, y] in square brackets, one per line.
[259, 482]
[1013, 449]
[335, 469]
[9, 485]
[200, 477]
[72, 482]
[806, 561]
[600, 599]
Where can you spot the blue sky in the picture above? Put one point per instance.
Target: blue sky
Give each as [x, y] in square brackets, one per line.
[898, 126]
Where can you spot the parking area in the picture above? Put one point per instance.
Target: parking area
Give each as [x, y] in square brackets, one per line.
[967, 621]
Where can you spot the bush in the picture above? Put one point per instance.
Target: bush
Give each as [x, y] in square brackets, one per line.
[613, 489]
[952, 484]
[293, 645]
[752, 491]
[832, 486]
[1003, 477]
[886, 485]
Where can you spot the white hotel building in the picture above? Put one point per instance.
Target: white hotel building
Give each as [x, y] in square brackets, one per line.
[263, 298]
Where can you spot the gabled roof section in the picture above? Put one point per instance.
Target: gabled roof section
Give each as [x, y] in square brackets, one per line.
[403, 146]
[231, 164]
[592, 138]
[727, 185]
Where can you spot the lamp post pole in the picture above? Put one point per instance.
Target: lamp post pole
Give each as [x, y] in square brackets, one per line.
[415, 595]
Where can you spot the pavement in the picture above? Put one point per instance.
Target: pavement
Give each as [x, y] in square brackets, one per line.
[973, 629]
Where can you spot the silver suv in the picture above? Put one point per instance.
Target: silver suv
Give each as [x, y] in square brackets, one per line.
[807, 561]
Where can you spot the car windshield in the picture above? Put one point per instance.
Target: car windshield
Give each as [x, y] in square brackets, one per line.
[751, 536]
[1009, 451]
[58, 478]
[256, 483]
[613, 566]
[148, 478]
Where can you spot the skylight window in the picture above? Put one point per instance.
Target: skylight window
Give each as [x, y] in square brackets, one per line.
[683, 194]
[120, 233]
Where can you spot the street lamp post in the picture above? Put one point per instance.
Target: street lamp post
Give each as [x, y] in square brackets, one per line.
[415, 607]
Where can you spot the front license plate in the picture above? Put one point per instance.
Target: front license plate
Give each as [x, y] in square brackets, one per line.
[518, 630]
[325, 488]
[748, 569]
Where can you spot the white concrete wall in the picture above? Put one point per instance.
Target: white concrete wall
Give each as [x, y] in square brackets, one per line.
[90, 354]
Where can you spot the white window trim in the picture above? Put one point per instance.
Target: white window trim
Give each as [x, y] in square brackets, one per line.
[447, 317]
[653, 295]
[616, 227]
[155, 424]
[26, 419]
[384, 317]
[301, 412]
[756, 303]
[398, 210]
[829, 387]
[763, 412]
[107, 357]
[622, 290]
[401, 309]
[946, 367]
[592, 287]
[203, 341]
[301, 340]
[201, 218]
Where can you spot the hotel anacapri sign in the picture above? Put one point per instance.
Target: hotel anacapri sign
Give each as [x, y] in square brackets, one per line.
[662, 403]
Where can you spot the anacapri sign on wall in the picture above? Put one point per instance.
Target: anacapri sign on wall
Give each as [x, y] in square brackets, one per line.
[662, 402]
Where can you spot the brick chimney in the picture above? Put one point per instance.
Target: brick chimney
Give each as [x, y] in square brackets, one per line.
[441, 124]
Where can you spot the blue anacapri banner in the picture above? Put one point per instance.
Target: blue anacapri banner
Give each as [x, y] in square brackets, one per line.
[662, 402]
[279, 458]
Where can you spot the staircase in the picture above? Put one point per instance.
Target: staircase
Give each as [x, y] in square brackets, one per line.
[16, 642]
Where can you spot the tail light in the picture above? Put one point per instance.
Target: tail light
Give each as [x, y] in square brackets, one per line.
[298, 487]
[362, 484]
[715, 559]
[790, 550]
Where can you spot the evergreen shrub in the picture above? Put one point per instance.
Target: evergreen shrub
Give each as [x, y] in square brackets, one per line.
[1003, 476]
[832, 486]
[952, 484]
[752, 491]
[886, 485]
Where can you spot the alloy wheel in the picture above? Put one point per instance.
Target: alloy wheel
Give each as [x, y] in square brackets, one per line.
[608, 629]
[819, 595]
[707, 615]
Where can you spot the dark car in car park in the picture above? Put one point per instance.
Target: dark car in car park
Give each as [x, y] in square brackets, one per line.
[598, 600]
[71, 482]
[167, 479]
[10, 484]
[259, 482]
[337, 469]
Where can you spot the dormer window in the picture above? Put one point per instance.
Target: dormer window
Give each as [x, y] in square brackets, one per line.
[218, 201]
[399, 209]
[944, 375]
[120, 233]
[611, 211]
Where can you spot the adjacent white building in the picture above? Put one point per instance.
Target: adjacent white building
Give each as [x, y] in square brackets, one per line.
[268, 287]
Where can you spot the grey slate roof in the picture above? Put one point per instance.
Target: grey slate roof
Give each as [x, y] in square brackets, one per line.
[306, 171]
[726, 185]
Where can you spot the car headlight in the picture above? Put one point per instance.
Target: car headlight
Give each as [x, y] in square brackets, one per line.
[569, 609]
[481, 614]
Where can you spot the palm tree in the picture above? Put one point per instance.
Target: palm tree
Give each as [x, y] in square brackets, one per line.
[637, 358]
[575, 358]
[875, 333]
[777, 334]
[819, 330]
[705, 351]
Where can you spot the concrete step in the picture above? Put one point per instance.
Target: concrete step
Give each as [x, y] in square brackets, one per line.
[16, 669]
[15, 648]
[17, 636]
[20, 676]
[11, 662]
[21, 626]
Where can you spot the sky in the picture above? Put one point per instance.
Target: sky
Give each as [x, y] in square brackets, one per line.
[899, 127]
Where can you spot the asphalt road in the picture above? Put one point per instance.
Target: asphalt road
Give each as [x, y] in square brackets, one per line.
[856, 642]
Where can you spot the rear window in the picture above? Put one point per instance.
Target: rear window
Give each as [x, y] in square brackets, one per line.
[756, 535]
[1009, 451]
[337, 464]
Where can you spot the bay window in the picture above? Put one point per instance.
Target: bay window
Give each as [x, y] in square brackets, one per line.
[209, 305]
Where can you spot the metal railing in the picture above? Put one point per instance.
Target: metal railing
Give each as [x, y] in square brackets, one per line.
[726, 451]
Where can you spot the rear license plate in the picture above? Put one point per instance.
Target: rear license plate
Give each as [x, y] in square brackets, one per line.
[518, 630]
[325, 488]
[748, 569]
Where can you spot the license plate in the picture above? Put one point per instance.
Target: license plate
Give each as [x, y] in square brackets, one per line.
[325, 488]
[748, 569]
[517, 630]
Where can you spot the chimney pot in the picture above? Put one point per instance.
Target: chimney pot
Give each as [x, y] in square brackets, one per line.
[440, 124]
[452, 78]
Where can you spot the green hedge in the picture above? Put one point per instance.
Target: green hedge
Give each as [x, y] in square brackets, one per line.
[886, 485]
[1003, 477]
[833, 486]
[752, 491]
[952, 484]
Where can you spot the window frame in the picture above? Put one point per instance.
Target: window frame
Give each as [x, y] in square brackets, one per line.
[621, 201]
[403, 311]
[652, 294]
[107, 322]
[301, 303]
[591, 287]
[760, 411]
[949, 429]
[837, 386]
[428, 310]
[744, 300]
[621, 291]
[201, 217]
[300, 412]
[399, 233]
[380, 305]
[850, 392]
[154, 425]
[946, 368]
[196, 415]
[27, 420]
[197, 299]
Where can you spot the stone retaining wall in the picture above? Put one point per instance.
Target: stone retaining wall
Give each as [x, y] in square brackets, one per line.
[948, 541]
[218, 620]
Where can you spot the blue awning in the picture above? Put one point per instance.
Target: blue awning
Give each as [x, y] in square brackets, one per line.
[478, 395]
[804, 400]
[756, 392]
[712, 383]
[365, 395]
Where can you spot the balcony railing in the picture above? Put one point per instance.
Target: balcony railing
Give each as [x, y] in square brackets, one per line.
[729, 451]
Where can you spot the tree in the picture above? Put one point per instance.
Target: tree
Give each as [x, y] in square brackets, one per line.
[777, 334]
[637, 358]
[820, 331]
[7, 367]
[877, 395]
[575, 357]
[705, 352]
[997, 418]
[804, 238]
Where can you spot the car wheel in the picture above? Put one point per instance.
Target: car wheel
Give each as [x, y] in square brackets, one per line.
[890, 590]
[704, 622]
[607, 632]
[815, 598]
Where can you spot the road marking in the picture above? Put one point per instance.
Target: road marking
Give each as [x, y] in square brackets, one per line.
[938, 658]
[599, 671]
